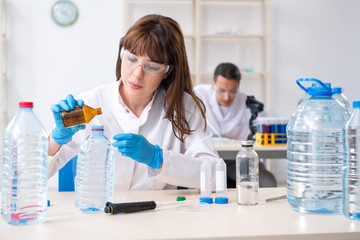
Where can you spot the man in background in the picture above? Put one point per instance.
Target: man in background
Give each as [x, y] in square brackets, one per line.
[227, 114]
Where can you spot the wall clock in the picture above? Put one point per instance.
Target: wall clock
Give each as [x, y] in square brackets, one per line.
[64, 13]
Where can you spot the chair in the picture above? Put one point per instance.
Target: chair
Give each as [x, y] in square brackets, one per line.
[67, 175]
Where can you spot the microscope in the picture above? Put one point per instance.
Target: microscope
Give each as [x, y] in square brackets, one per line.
[255, 107]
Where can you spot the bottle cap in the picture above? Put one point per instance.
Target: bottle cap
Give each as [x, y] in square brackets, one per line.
[206, 200]
[318, 89]
[97, 128]
[180, 198]
[337, 90]
[247, 143]
[221, 200]
[356, 104]
[26, 104]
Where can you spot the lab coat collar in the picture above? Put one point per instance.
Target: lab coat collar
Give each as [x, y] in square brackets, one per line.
[144, 115]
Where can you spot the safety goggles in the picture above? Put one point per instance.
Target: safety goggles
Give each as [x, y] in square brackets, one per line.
[223, 92]
[150, 68]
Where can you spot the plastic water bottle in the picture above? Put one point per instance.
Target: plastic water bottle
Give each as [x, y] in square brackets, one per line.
[94, 184]
[351, 177]
[304, 97]
[340, 96]
[247, 174]
[24, 169]
[205, 182]
[315, 152]
[221, 184]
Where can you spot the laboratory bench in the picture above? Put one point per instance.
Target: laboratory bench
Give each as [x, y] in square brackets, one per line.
[228, 148]
[267, 220]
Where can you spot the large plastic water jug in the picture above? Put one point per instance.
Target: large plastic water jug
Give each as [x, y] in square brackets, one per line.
[315, 151]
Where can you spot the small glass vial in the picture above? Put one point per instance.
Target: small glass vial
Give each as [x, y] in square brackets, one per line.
[221, 185]
[79, 115]
[205, 182]
[247, 174]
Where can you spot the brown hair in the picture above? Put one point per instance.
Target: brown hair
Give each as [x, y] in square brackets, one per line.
[161, 39]
[227, 70]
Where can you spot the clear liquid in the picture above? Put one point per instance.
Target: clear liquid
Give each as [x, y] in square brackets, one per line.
[94, 176]
[351, 206]
[314, 179]
[24, 178]
[247, 193]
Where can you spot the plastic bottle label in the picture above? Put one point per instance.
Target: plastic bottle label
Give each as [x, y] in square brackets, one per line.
[220, 177]
[202, 181]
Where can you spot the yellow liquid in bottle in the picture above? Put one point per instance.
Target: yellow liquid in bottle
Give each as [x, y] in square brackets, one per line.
[79, 115]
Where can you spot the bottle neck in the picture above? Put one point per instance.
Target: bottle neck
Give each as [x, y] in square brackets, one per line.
[321, 97]
[26, 109]
[247, 148]
[97, 132]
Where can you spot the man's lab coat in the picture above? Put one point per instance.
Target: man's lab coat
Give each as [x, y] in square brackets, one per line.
[181, 161]
[235, 124]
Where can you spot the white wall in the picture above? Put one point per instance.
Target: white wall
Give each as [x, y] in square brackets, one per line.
[314, 38]
[46, 62]
[310, 38]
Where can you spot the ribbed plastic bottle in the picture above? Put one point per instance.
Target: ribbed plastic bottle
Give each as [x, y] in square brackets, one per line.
[351, 174]
[315, 152]
[94, 181]
[24, 169]
[340, 96]
[247, 174]
[79, 115]
[221, 183]
[205, 182]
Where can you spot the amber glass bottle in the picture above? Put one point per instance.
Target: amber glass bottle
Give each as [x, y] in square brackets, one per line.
[79, 115]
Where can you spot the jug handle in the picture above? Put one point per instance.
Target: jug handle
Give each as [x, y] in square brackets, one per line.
[309, 80]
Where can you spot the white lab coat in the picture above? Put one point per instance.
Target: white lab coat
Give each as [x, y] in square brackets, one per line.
[181, 161]
[235, 124]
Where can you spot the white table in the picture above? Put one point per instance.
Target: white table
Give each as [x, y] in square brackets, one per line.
[228, 148]
[273, 220]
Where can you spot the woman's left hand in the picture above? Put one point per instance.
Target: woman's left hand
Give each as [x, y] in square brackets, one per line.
[138, 148]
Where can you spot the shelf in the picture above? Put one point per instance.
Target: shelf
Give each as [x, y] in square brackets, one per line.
[224, 1]
[232, 36]
[246, 26]
[161, 1]
[243, 74]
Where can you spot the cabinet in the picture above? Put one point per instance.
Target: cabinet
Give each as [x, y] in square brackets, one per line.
[215, 31]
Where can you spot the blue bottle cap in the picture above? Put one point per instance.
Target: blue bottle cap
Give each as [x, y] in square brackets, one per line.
[48, 203]
[206, 200]
[356, 104]
[319, 89]
[337, 90]
[221, 200]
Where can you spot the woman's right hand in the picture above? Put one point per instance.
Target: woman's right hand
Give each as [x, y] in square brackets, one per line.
[61, 134]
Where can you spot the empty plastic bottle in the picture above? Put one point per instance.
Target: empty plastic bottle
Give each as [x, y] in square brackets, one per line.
[340, 96]
[24, 169]
[94, 182]
[247, 174]
[205, 182]
[351, 177]
[79, 115]
[315, 152]
[221, 184]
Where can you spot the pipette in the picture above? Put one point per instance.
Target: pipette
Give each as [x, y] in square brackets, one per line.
[130, 207]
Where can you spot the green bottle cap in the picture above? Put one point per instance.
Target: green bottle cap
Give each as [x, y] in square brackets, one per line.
[180, 198]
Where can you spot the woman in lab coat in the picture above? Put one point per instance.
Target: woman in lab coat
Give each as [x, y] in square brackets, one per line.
[151, 113]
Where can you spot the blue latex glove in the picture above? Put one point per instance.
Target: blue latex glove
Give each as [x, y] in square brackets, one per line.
[138, 148]
[61, 134]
